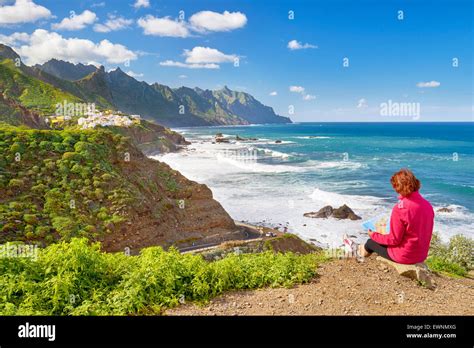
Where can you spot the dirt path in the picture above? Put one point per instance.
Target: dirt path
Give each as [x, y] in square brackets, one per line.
[346, 287]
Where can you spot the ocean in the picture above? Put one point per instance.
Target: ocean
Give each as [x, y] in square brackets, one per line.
[291, 169]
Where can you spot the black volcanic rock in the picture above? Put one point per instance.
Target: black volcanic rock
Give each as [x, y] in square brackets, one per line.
[444, 210]
[343, 212]
[324, 212]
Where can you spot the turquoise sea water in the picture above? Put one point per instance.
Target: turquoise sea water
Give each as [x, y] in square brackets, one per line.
[333, 163]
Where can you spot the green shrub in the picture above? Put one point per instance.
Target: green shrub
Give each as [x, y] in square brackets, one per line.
[66, 226]
[461, 251]
[456, 257]
[438, 264]
[30, 219]
[16, 183]
[71, 156]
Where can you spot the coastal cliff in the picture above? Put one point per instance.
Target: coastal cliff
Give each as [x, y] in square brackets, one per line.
[98, 184]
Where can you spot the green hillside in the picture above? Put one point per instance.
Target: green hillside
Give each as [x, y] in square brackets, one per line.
[59, 184]
[33, 94]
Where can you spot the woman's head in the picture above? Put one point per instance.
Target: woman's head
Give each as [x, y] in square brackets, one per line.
[405, 182]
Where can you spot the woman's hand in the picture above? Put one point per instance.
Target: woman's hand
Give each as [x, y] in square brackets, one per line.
[370, 232]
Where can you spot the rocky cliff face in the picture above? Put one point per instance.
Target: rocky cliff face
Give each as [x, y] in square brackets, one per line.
[65, 70]
[152, 138]
[172, 210]
[246, 107]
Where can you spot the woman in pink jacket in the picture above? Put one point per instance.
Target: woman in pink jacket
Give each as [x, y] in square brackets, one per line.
[411, 224]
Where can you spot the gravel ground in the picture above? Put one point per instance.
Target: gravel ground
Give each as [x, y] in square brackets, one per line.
[346, 287]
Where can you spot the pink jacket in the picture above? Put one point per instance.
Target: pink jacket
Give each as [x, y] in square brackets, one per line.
[411, 227]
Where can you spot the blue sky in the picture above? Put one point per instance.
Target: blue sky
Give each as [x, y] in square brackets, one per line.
[405, 60]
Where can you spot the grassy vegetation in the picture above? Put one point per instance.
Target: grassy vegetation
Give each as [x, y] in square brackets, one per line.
[59, 184]
[76, 278]
[454, 259]
[439, 264]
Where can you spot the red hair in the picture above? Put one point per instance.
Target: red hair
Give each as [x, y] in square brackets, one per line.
[405, 182]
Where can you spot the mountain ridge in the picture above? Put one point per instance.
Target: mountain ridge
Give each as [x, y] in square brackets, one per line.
[171, 107]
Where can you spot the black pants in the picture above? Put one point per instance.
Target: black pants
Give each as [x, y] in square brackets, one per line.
[372, 246]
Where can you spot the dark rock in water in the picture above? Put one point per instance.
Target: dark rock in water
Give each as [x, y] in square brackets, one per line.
[444, 210]
[344, 212]
[237, 137]
[219, 138]
[324, 212]
[222, 140]
[278, 142]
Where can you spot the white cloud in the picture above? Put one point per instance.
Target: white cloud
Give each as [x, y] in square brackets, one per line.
[430, 84]
[362, 103]
[93, 62]
[133, 74]
[200, 55]
[189, 66]
[214, 21]
[295, 45]
[113, 24]
[76, 22]
[43, 45]
[301, 90]
[163, 26]
[274, 93]
[296, 89]
[141, 3]
[202, 22]
[183, 76]
[202, 58]
[22, 11]
[14, 38]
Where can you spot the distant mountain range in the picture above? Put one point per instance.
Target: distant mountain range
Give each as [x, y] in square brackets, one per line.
[31, 92]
